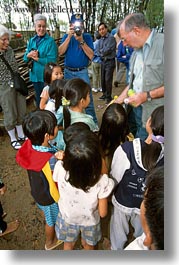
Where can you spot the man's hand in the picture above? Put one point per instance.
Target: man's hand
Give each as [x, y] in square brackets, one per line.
[137, 99]
[122, 96]
[70, 32]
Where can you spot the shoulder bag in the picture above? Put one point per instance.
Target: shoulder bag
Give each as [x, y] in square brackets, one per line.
[19, 82]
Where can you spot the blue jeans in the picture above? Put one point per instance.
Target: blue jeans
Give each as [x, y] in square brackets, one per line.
[135, 123]
[38, 86]
[83, 74]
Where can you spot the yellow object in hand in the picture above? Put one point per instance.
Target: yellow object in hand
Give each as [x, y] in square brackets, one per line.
[130, 92]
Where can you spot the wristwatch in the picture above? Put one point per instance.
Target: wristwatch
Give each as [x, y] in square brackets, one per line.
[148, 96]
[82, 42]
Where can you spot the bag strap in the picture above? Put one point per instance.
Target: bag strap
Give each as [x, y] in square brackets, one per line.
[137, 152]
[7, 64]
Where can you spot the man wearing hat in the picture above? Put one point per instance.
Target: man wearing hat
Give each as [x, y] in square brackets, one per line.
[78, 49]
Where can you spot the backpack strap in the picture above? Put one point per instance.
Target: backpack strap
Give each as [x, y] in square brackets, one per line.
[137, 152]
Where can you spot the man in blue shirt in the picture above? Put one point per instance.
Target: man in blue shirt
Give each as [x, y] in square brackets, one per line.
[123, 56]
[78, 49]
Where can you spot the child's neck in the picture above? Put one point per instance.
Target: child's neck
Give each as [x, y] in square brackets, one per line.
[46, 144]
[77, 108]
[148, 140]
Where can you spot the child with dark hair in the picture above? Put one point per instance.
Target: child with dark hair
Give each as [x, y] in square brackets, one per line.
[130, 164]
[80, 128]
[52, 72]
[55, 95]
[76, 99]
[37, 156]
[84, 191]
[152, 213]
[54, 105]
[74, 129]
[114, 130]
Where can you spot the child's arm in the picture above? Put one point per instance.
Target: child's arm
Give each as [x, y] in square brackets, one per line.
[43, 102]
[104, 169]
[59, 155]
[107, 185]
[44, 98]
[60, 128]
[103, 207]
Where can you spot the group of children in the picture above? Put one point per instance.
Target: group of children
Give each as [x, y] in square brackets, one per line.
[74, 170]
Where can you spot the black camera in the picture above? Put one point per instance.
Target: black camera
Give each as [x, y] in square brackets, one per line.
[78, 28]
[31, 61]
[30, 64]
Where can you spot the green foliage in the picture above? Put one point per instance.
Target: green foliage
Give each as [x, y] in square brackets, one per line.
[155, 14]
[114, 10]
[94, 12]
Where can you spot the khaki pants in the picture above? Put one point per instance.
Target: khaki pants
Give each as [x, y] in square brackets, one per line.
[120, 73]
[13, 105]
[96, 70]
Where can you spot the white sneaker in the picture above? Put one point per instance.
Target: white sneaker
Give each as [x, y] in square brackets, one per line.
[94, 89]
[100, 89]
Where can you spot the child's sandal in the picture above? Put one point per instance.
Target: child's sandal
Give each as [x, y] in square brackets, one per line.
[16, 145]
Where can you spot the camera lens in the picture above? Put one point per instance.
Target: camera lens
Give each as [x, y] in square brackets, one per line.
[78, 32]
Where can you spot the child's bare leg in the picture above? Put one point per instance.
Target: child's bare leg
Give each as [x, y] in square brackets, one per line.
[50, 235]
[68, 245]
[86, 246]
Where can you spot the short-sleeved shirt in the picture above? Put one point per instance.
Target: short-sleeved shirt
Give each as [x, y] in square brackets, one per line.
[83, 117]
[75, 57]
[76, 206]
[45, 92]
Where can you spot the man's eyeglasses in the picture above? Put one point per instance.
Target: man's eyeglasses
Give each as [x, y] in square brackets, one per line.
[125, 38]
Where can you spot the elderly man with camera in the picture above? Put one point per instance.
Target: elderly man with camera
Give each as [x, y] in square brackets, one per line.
[77, 46]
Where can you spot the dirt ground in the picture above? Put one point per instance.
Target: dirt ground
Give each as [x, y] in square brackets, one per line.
[18, 202]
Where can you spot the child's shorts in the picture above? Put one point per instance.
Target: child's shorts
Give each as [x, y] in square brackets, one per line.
[50, 212]
[69, 233]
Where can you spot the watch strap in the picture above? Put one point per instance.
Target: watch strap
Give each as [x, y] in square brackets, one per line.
[82, 42]
[148, 96]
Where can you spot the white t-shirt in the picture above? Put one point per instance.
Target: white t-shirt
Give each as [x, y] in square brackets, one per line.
[51, 105]
[137, 244]
[76, 206]
[45, 91]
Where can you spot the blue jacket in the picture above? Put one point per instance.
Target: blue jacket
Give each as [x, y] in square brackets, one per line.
[124, 50]
[48, 52]
[96, 58]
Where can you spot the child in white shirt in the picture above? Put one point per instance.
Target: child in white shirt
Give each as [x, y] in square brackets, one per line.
[83, 191]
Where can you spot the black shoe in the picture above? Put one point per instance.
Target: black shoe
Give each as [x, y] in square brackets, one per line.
[108, 101]
[103, 97]
[115, 83]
